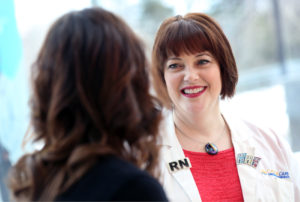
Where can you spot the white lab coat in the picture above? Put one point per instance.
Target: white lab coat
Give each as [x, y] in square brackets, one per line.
[258, 184]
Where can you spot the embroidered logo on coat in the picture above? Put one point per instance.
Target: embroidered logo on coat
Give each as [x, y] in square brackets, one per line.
[179, 165]
[278, 174]
[244, 158]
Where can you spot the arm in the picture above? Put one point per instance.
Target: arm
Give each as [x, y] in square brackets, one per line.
[293, 165]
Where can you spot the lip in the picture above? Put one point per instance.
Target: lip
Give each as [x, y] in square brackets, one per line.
[193, 95]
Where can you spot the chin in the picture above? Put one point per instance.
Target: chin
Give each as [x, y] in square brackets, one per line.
[196, 108]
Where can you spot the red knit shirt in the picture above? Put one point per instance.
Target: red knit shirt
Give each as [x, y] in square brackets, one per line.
[216, 175]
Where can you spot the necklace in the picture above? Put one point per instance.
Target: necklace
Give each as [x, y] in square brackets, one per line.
[209, 147]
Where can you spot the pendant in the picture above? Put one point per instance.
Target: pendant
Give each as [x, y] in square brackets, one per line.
[211, 149]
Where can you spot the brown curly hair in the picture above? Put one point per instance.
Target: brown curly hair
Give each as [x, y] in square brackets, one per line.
[91, 98]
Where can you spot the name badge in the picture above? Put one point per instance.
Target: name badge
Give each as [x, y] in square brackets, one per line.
[278, 174]
[179, 164]
[250, 160]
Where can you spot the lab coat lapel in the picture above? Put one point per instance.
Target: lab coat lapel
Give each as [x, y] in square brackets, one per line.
[186, 181]
[183, 177]
[242, 143]
[247, 174]
[173, 152]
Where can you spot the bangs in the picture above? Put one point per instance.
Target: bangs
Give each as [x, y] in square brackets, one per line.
[185, 37]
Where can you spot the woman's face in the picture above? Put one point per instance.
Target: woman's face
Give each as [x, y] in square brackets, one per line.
[193, 82]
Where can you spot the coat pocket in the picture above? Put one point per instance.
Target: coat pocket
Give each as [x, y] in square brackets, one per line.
[270, 188]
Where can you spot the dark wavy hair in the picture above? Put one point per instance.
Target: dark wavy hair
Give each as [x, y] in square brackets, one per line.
[91, 98]
[192, 33]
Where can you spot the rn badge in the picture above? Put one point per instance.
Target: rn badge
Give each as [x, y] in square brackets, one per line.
[179, 164]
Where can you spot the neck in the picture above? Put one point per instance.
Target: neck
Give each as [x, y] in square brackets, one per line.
[202, 126]
[193, 133]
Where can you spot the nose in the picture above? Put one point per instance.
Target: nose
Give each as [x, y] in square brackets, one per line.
[191, 74]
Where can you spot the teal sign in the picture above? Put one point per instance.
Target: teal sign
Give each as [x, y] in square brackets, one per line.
[10, 41]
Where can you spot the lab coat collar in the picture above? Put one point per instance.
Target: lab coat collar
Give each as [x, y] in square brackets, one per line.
[174, 152]
[237, 128]
[241, 142]
[239, 134]
[168, 130]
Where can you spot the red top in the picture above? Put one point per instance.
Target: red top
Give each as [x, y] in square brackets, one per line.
[216, 175]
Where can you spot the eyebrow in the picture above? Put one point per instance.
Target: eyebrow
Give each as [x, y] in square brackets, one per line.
[174, 58]
[203, 53]
[198, 55]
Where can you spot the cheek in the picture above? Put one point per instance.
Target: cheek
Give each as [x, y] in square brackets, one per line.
[219, 79]
[171, 85]
[218, 83]
[168, 81]
[215, 78]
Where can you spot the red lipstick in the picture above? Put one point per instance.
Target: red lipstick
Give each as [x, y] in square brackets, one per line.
[193, 91]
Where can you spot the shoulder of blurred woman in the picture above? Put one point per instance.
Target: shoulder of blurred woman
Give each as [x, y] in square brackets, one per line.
[112, 178]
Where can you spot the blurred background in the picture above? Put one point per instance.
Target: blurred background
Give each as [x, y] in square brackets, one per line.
[264, 34]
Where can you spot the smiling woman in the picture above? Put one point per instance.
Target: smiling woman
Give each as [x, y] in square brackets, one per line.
[193, 68]
[190, 76]
[169, 45]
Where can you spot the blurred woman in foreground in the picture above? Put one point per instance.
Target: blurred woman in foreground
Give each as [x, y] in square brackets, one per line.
[92, 110]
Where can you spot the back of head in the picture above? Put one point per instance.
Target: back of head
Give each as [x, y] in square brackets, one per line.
[91, 98]
[190, 34]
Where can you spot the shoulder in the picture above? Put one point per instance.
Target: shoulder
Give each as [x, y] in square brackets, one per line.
[264, 139]
[243, 128]
[141, 187]
[167, 135]
[265, 134]
[134, 184]
[106, 180]
[273, 149]
[166, 125]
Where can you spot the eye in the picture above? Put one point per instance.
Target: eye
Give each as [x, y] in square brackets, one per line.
[173, 66]
[202, 62]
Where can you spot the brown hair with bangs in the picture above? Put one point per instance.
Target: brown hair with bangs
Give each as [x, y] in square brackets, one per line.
[194, 32]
